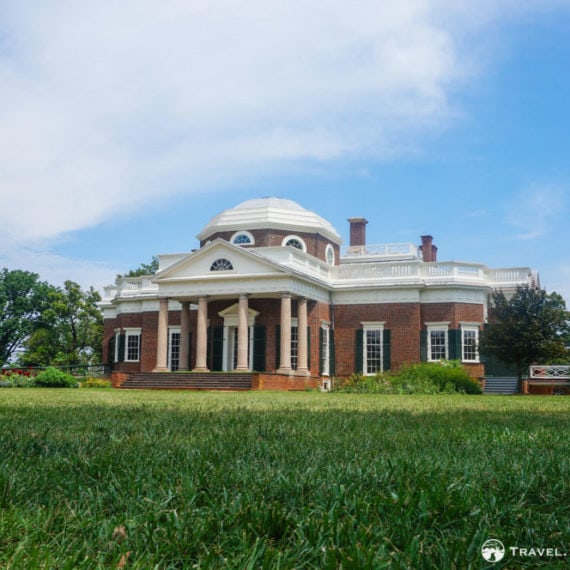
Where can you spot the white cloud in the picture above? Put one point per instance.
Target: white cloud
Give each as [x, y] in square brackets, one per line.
[103, 103]
[107, 105]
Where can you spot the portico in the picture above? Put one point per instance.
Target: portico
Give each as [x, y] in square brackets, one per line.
[238, 343]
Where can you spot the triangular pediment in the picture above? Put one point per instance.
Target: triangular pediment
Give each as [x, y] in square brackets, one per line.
[219, 259]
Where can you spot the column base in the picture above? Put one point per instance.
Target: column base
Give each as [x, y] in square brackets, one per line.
[161, 369]
[287, 371]
[205, 369]
[242, 369]
[301, 372]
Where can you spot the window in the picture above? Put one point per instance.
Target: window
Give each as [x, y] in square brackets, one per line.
[174, 349]
[437, 338]
[329, 254]
[470, 343]
[294, 241]
[294, 347]
[242, 238]
[222, 265]
[372, 348]
[132, 345]
[326, 349]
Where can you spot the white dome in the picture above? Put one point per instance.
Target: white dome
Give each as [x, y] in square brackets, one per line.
[269, 213]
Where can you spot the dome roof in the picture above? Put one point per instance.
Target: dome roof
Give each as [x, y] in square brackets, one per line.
[269, 213]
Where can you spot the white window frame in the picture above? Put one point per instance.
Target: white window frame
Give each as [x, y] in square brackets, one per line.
[117, 342]
[372, 326]
[295, 237]
[172, 331]
[242, 233]
[470, 327]
[326, 348]
[132, 332]
[330, 255]
[437, 327]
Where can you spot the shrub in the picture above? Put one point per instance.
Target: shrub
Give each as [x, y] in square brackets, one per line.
[445, 377]
[435, 377]
[95, 383]
[54, 378]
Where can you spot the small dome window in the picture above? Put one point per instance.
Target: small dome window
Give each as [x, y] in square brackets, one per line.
[296, 242]
[222, 264]
[329, 254]
[242, 238]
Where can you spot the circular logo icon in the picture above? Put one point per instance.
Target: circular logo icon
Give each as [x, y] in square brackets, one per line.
[493, 550]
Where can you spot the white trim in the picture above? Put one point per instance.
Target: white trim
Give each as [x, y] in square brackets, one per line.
[437, 327]
[132, 332]
[326, 347]
[297, 238]
[368, 326]
[473, 327]
[172, 330]
[329, 250]
[242, 233]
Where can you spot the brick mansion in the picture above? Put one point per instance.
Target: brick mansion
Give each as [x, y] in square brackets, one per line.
[272, 290]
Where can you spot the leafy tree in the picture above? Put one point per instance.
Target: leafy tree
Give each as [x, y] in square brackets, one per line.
[71, 330]
[23, 298]
[143, 269]
[531, 326]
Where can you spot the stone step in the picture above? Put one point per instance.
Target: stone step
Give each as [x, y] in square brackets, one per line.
[189, 381]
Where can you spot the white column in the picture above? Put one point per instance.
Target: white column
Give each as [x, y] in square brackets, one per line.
[162, 338]
[184, 334]
[302, 364]
[202, 336]
[243, 335]
[285, 367]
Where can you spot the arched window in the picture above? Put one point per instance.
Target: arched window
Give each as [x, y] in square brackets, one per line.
[222, 265]
[294, 241]
[242, 238]
[329, 254]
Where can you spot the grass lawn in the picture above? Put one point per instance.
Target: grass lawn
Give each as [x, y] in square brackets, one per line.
[133, 479]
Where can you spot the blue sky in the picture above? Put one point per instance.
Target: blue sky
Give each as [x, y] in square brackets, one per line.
[126, 127]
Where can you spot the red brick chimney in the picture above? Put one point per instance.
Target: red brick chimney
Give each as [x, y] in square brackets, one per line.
[357, 231]
[429, 251]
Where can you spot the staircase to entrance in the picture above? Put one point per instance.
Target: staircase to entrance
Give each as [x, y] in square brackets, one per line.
[189, 381]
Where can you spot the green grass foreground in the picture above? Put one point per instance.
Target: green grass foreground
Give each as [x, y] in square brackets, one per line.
[107, 478]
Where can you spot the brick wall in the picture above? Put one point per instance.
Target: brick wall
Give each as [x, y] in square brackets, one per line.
[316, 243]
[404, 320]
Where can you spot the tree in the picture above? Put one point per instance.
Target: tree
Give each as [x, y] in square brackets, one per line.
[531, 326]
[143, 269]
[71, 329]
[22, 300]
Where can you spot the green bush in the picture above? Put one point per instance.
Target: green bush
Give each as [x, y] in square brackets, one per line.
[435, 377]
[54, 378]
[95, 383]
[445, 377]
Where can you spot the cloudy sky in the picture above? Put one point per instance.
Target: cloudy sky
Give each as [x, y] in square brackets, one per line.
[126, 125]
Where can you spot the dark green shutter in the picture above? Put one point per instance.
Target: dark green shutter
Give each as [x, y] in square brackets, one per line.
[359, 351]
[423, 345]
[121, 354]
[189, 350]
[386, 351]
[277, 346]
[216, 348]
[111, 351]
[454, 339]
[309, 348]
[331, 353]
[259, 337]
